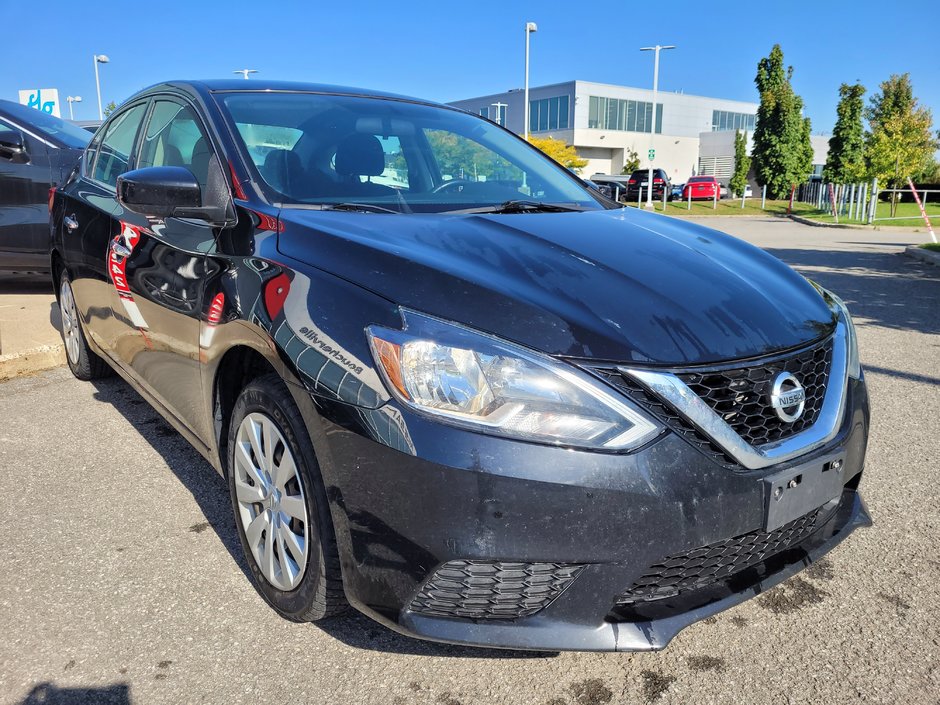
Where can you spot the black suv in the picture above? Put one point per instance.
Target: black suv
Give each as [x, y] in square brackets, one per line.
[638, 182]
[447, 383]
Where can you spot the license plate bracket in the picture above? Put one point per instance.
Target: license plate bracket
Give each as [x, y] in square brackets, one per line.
[795, 491]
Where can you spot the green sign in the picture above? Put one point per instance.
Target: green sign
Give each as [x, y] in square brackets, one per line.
[652, 154]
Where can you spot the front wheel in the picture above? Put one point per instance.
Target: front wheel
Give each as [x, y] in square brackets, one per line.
[280, 505]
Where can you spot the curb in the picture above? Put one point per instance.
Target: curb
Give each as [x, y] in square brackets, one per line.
[818, 224]
[31, 361]
[923, 255]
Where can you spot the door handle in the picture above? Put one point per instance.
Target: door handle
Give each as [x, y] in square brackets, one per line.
[120, 250]
[70, 222]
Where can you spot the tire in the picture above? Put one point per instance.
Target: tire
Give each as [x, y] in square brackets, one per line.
[274, 500]
[83, 363]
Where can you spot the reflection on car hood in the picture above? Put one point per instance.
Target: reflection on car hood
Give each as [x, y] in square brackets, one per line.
[619, 285]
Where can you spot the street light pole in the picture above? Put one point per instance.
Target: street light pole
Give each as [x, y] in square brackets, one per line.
[73, 99]
[530, 27]
[99, 59]
[649, 183]
[245, 72]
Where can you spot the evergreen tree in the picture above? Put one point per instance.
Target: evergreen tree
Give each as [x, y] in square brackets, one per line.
[846, 160]
[742, 164]
[782, 152]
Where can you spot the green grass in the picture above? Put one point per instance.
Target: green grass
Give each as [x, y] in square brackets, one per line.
[932, 246]
[730, 208]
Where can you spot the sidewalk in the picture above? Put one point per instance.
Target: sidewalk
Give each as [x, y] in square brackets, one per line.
[29, 326]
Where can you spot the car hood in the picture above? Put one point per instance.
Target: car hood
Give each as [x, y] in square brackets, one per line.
[620, 285]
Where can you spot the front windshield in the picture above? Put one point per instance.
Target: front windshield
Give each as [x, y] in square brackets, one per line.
[50, 126]
[390, 154]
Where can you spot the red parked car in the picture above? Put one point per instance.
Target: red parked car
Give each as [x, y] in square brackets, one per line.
[702, 187]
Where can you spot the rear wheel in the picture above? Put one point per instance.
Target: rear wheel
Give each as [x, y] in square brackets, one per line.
[84, 363]
[280, 505]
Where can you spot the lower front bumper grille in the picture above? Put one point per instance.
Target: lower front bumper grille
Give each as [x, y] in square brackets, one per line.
[492, 589]
[711, 564]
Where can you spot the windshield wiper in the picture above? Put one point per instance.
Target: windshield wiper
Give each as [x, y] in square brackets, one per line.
[361, 207]
[523, 206]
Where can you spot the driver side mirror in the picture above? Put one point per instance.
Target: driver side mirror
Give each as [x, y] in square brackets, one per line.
[13, 146]
[167, 192]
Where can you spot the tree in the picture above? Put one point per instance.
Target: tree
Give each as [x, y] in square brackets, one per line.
[742, 164]
[631, 161]
[563, 153]
[846, 160]
[109, 108]
[782, 152]
[901, 142]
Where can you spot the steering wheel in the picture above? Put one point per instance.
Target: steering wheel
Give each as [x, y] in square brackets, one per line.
[450, 184]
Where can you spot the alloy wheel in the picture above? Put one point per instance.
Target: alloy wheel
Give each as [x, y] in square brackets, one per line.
[70, 331]
[271, 505]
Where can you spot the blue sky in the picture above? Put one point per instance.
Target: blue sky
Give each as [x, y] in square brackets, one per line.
[450, 50]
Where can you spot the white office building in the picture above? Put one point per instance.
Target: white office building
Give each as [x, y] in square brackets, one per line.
[605, 123]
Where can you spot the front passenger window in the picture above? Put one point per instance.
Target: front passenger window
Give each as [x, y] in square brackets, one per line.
[174, 138]
[114, 154]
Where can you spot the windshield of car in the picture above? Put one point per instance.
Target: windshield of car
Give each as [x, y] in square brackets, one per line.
[379, 155]
[702, 180]
[49, 126]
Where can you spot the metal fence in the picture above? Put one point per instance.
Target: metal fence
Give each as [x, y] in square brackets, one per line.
[858, 203]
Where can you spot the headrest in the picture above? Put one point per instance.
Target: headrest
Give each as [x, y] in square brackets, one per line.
[281, 168]
[360, 155]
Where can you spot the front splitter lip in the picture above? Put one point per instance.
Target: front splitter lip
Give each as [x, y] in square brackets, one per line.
[542, 633]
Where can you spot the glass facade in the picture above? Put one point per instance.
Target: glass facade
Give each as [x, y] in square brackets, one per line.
[725, 120]
[549, 114]
[625, 115]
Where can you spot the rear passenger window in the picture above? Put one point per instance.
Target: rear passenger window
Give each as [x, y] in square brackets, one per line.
[115, 151]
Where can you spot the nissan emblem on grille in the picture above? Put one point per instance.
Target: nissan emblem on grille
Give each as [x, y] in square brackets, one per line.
[788, 398]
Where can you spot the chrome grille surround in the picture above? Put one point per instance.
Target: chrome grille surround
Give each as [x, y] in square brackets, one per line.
[671, 389]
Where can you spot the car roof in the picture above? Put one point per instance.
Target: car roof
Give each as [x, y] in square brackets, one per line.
[217, 85]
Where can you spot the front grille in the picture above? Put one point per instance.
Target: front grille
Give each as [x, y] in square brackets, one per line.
[665, 413]
[741, 395]
[707, 565]
[493, 589]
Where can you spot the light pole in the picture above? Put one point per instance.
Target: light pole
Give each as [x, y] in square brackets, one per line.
[649, 184]
[73, 99]
[245, 72]
[99, 59]
[499, 111]
[530, 27]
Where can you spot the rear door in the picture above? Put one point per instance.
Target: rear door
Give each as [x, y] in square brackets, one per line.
[91, 218]
[159, 272]
[24, 196]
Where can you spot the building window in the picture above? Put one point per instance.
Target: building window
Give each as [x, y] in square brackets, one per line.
[623, 115]
[726, 120]
[496, 115]
[548, 114]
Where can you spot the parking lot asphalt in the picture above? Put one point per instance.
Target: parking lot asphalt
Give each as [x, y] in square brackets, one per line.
[122, 580]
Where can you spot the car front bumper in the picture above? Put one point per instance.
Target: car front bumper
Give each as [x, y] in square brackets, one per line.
[444, 496]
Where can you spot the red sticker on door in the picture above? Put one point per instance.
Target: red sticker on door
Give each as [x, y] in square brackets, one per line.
[119, 251]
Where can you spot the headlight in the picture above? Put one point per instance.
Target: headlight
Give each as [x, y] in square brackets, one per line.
[851, 338]
[480, 382]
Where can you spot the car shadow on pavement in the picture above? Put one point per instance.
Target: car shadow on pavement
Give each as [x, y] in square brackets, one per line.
[211, 493]
[51, 694]
[888, 289]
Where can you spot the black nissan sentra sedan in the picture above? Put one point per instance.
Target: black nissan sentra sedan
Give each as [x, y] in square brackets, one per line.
[449, 384]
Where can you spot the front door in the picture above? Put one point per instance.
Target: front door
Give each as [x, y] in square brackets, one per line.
[159, 271]
[24, 198]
